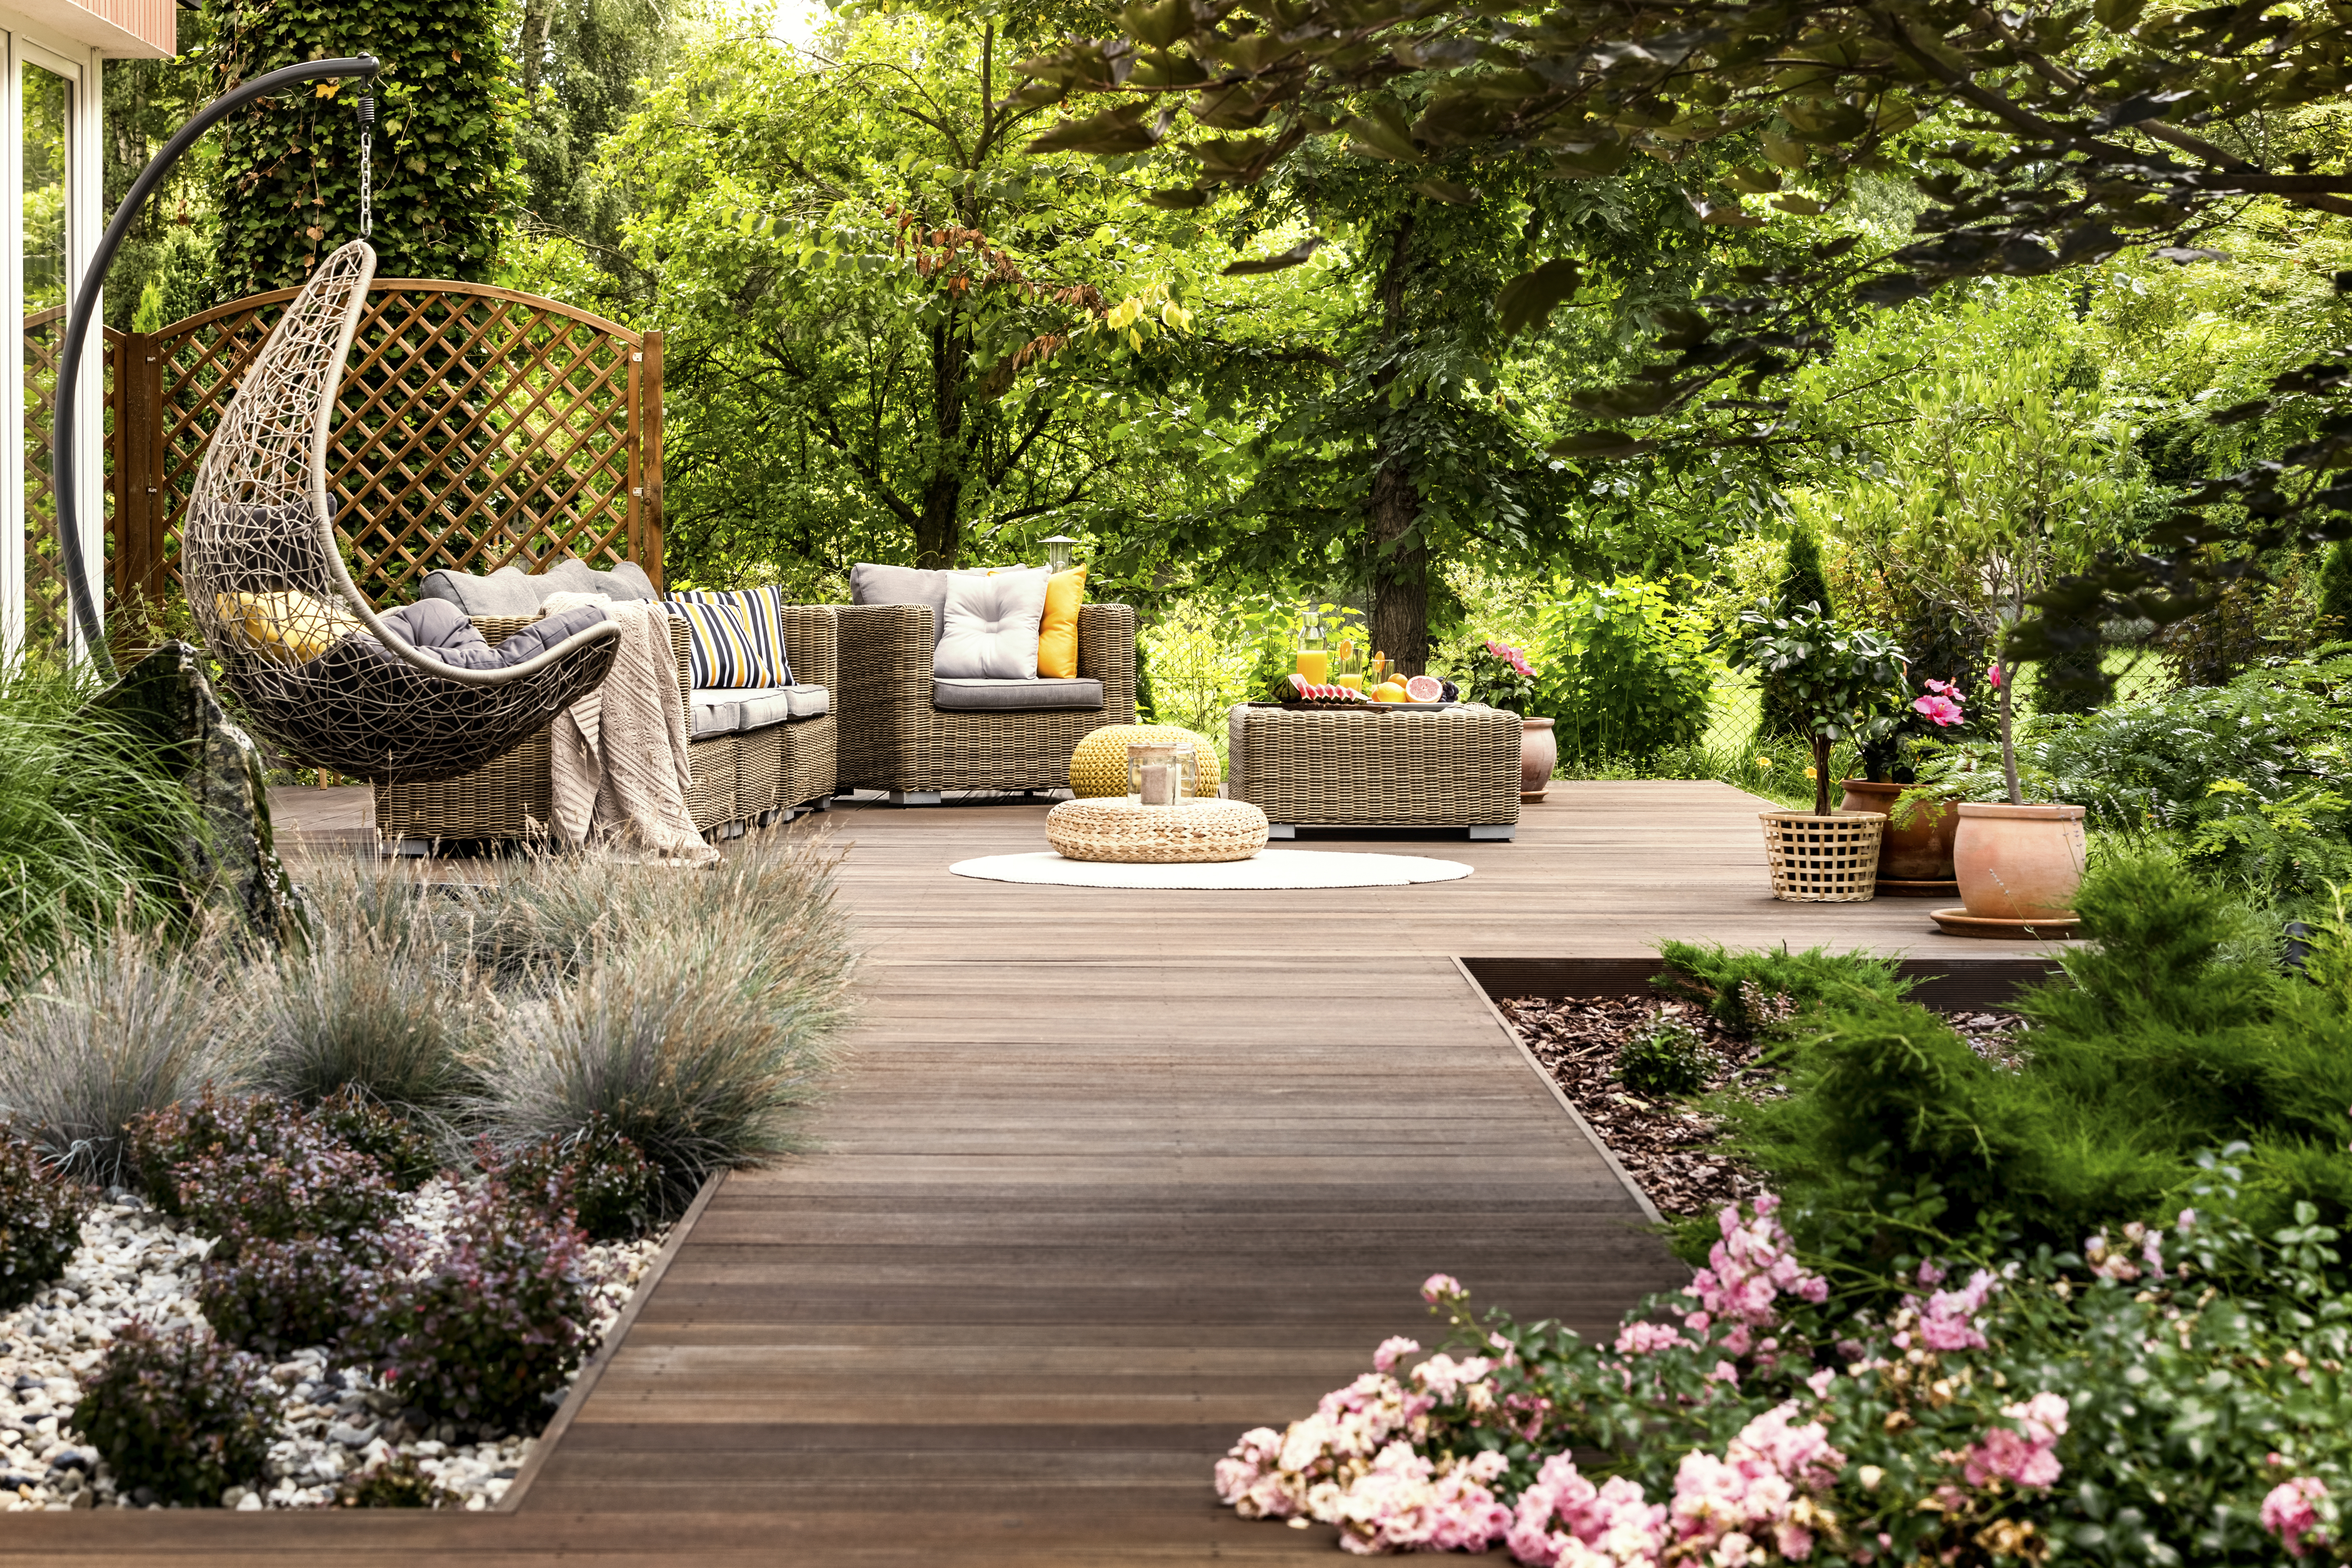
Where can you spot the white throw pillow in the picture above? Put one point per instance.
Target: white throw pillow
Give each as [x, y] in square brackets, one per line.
[990, 629]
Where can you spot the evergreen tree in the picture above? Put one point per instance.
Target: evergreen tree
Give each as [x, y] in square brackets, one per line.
[1802, 583]
[2334, 623]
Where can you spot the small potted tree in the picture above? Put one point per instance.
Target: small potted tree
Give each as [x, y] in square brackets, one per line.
[1837, 683]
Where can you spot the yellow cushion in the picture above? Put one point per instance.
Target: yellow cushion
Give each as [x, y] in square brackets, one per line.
[1057, 634]
[1098, 767]
[289, 627]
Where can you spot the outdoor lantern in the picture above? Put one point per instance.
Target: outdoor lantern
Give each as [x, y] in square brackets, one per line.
[1162, 772]
[1058, 552]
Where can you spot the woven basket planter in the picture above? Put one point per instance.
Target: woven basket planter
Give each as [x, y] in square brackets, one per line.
[1823, 859]
[1156, 835]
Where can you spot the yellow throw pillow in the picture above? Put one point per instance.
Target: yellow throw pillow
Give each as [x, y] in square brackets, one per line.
[1057, 634]
[289, 627]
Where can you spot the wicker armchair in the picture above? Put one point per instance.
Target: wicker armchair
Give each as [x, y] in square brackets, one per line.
[893, 738]
[737, 778]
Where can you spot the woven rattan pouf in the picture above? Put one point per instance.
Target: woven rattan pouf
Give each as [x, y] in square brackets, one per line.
[1098, 767]
[1157, 835]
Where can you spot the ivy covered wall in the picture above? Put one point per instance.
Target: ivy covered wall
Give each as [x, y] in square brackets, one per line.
[288, 186]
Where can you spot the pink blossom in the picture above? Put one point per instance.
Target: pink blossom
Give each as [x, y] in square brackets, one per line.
[1947, 1323]
[1942, 710]
[1748, 1270]
[1820, 1382]
[1646, 1339]
[1510, 656]
[2024, 1457]
[1393, 1349]
[1444, 1377]
[1405, 1502]
[1992, 674]
[2291, 1512]
[1563, 1520]
[1439, 1288]
[1761, 1489]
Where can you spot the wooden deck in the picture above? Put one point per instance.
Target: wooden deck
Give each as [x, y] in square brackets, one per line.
[1112, 1175]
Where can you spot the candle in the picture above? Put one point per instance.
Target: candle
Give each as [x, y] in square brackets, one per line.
[1160, 784]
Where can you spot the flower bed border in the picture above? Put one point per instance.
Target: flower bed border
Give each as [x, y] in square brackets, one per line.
[585, 1384]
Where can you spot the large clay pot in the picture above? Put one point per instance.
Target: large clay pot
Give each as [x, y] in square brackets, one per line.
[1539, 754]
[1921, 852]
[2019, 862]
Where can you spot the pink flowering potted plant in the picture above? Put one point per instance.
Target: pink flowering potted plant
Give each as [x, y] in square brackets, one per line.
[1915, 854]
[1499, 675]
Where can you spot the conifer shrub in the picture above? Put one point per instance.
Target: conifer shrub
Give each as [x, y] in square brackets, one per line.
[40, 1220]
[1752, 993]
[179, 1410]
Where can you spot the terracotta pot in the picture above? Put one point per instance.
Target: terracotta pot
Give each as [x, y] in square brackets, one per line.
[1539, 754]
[2019, 862]
[1922, 852]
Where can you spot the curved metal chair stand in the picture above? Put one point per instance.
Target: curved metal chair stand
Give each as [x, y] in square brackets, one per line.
[258, 540]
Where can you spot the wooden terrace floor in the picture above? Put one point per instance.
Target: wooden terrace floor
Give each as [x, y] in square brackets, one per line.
[1111, 1177]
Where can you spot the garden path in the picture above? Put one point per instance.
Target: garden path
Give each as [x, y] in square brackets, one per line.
[1111, 1177]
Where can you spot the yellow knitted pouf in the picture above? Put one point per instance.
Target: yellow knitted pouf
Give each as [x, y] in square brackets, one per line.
[1098, 767]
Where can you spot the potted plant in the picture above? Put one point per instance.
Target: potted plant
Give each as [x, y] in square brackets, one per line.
[1839, 683]
[1914, 857]
[1499, 675]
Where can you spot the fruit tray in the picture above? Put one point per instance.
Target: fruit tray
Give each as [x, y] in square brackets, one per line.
[1365, 707]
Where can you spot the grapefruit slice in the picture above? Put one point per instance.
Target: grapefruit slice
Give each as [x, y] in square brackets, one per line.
[1424, 688]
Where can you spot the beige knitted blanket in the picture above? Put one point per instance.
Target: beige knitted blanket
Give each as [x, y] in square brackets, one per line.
[618, 769]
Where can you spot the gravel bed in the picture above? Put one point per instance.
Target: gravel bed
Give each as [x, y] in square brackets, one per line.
[1665, 1145]
[337, 1422]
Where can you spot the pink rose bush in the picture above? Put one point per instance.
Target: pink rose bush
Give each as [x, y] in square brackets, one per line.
[1759, 1418]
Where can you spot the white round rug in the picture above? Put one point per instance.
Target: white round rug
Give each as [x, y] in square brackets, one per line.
[1267, 868]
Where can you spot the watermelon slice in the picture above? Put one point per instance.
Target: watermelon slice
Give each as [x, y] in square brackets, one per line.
[1424, 688]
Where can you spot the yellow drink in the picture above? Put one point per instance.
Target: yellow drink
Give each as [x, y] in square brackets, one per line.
[1315, 664]
[1352, 682]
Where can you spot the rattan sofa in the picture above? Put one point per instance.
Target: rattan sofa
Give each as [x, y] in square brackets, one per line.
[895, 740]
[739, 779]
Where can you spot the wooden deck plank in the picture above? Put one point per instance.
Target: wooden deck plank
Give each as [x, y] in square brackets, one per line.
[1109, 1176]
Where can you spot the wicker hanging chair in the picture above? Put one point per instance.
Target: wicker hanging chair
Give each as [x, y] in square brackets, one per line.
[316, 668]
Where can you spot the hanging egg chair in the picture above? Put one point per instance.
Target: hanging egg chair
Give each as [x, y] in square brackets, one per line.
[316, 668]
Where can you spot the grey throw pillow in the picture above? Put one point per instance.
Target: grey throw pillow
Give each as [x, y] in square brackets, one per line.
[991, 628]
[505, 592]
[873, 585]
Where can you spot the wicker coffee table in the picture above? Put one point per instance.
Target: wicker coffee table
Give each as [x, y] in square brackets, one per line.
[1155, 835]
[1452, 767]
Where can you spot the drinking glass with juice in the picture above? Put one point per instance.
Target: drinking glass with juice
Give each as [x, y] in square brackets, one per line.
[1314, 659]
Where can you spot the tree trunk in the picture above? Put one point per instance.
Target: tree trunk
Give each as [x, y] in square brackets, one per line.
[1400, 578]
[939, 526]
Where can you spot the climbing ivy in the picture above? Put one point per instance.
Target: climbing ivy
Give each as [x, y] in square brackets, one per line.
[289, 182]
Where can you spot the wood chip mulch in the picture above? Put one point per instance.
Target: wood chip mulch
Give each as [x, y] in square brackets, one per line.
[1666, 1145]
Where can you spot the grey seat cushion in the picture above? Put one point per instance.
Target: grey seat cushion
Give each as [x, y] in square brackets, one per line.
[976, 696]
[440, 629]
[721, 711]
[991, 628]
[511, 591]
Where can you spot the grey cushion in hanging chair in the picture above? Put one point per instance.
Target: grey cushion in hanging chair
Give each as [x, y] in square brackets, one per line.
[312, 666]
[443, 630]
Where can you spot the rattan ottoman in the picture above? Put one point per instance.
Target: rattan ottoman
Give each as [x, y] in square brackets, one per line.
[1156, 835]
[1318, 767]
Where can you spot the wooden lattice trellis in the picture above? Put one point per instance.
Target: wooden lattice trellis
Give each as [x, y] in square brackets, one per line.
[476, 427]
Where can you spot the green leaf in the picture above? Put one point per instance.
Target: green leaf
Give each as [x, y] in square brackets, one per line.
[1383, 134]
[1438, 190]
[1177, 199]
[1296, 256]
[1528, 300]
[1599, 444]
[1117, 129]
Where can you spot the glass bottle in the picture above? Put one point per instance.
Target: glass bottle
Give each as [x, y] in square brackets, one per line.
[1314, 659]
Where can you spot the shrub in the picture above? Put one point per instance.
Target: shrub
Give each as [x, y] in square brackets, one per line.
[370, 1003]
[407, 1156]
[275, 1297]
[259, 1167]
[497, 1323]
[595, 1175]
[1669, 1059]
[699, 1025]
[180, 1411]
[1753, 993]
[1624, 669]
[123, 1023]
[40, 1220]
[397, 1482]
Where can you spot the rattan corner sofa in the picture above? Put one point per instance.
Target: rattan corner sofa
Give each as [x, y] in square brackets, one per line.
[749, 768]
[896, 735]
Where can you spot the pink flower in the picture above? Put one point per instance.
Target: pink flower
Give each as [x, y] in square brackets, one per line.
[1992, 674]
[1943, 710]
[2291, 1512]
[1563, 1520]
[1646, 1339]
[1441, 1288]
[1392, 1349]
[1948, 1322]
[2023, 1456]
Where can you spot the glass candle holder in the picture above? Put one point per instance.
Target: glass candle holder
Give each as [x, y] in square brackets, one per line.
[1162, 772]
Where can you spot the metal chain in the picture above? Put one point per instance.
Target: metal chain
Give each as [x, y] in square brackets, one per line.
[367, 163]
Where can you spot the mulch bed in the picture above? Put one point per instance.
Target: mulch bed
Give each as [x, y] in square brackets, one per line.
[1666, 1145]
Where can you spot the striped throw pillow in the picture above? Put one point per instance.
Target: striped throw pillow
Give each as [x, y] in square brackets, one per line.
[723, 650]
[762, 627]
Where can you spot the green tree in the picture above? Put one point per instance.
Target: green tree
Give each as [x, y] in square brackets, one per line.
[1802, 585]
[892, 334]
[164, 271]
[2334, 617]
[286, 181]
[583, 67]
